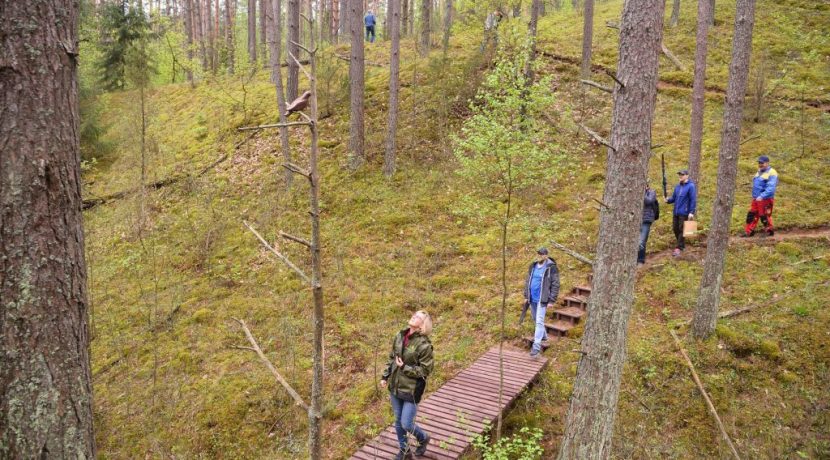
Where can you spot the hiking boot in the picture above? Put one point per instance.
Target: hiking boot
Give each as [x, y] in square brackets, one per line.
[535, 353]
[545, 339]
[422, 448]
[676, 252]
[404, 455]
[770, 233]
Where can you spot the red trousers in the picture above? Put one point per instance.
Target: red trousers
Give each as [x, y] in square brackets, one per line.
[759, 210]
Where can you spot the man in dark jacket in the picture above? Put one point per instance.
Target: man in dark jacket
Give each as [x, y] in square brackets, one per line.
[369, 21]
[541, 289]
[651, 212]
[685, 205]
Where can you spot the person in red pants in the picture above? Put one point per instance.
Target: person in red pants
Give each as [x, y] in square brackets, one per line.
[763, 198]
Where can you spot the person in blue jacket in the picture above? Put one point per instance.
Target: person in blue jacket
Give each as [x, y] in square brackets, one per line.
[369, 20]
[541, 290]
[684, 198]
[763, 197]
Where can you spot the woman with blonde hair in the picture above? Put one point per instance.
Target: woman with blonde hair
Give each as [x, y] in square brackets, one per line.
[410, 363]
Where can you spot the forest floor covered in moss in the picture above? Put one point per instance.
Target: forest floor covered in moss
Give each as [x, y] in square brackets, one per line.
[170, 269]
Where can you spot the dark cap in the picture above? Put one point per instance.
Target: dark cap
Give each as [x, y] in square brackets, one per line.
[683, 172]
[763, 159]
[542, 251]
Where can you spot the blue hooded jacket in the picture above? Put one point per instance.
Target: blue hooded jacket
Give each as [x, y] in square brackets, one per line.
[684, 199]
[369, 20]
[764, 183]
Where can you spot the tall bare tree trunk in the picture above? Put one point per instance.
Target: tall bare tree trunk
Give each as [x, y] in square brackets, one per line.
[394, 20]
[517, 9]
[229, 43]
[448, 13]
[404, 16]
[699, 89]
[264, 8]
[426, 12]
[293, 22]
[208, 9]
[712, 8]
[542, 9]
[532, 27]
[675, 13]
[188, 26]
[252, 31]
[589, 427]
[587, 40]
[706, 313]
[356, 85]
[411, 25]
[199, 29]
[345, 25]
[45, 383]
[274, 27]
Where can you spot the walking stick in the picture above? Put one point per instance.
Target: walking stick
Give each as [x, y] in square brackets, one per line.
[663, 163]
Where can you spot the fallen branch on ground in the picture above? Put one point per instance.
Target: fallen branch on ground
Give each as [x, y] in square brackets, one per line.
[597, 85]
[255, 348]
[705, 395]
[672, 57]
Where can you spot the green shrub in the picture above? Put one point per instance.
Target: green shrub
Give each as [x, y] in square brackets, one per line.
[524, 445]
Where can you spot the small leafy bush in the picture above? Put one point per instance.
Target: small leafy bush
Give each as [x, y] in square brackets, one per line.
[524, 445]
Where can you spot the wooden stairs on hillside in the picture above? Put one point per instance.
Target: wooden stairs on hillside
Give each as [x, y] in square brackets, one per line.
[573, 310]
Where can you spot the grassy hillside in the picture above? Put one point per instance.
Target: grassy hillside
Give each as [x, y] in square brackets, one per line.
[169, 271]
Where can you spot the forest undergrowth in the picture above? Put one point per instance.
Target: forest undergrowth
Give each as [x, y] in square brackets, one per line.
[169, 269]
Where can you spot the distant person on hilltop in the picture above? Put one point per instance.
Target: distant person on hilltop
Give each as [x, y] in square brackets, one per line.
[410, 363]
[541, 290]
[684, 198]
[651, 212]
[369, 20]
[491, 25]
[763, 197]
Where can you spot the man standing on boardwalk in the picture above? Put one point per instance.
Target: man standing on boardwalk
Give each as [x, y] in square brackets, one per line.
[541, 289]
[763, 197]
[684, 198]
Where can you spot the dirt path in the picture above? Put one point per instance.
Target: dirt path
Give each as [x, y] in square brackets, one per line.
[698, 251]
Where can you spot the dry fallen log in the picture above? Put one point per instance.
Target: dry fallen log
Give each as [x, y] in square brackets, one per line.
[705, 395]
[572, 253]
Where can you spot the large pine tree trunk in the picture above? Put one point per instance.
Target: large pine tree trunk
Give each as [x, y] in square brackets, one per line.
[590, 423]
[274, 26]
[394, 21]
[45, 384]
[293, 21]
[704, 14]
[424, 42]
[229, 44]
[587, 40]
[675, 13]
[344, 25]
[252, 31]
[706, 313]
[356, 85]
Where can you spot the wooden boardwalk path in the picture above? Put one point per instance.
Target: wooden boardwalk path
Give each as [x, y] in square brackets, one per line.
[458, 411]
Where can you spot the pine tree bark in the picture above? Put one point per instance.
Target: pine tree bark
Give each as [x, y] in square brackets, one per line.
[274, 28]
[424, 42]
[394, 20]
[542, 9]
[293, 22]
[208, 9]
[229, 43]
[517, 9]
[264, 7]
[535, 9]
[587, 40]
[699, 90]
[356, 85]
[706, 313]
[45, 383]
[675, 13]
[712, 8]
[252, 31]
[589, 427]
[199, 28]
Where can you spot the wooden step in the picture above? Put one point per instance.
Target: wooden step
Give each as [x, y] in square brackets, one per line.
[583, 291]
[558, 328]
[576, 301]
[570, 314]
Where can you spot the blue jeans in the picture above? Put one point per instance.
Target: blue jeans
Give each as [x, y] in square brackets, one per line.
[538, 311]
[644, 231]
[405, 413]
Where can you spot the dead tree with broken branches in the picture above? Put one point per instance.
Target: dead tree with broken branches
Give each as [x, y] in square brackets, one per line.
[314, 281]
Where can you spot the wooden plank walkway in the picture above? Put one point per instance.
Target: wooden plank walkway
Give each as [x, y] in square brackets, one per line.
[458, 411]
